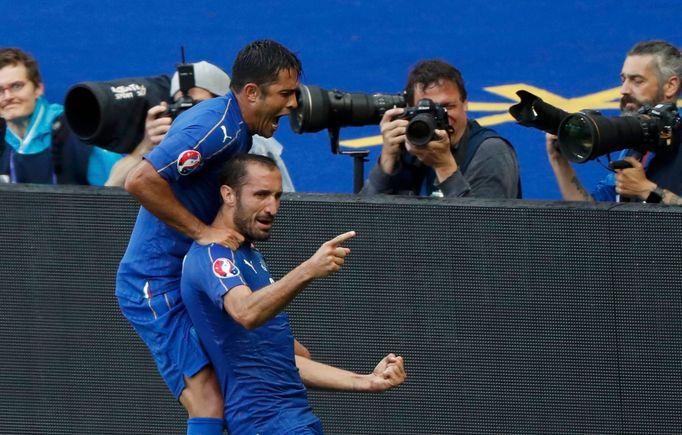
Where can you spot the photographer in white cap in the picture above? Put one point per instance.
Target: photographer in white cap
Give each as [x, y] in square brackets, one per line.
[210, 81]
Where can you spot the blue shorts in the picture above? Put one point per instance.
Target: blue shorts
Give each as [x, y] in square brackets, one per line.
[164, 325]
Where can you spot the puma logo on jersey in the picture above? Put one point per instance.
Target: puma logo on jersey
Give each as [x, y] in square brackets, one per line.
[225, 135]
[248, 263]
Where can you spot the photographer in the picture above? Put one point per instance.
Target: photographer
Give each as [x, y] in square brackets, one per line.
[210, 82]
[471, 161]
[650, 75]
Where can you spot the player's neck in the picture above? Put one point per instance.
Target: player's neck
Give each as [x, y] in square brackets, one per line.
[224, 220]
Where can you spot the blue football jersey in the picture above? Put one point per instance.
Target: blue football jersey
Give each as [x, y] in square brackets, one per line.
[190, 158]
[256, 368]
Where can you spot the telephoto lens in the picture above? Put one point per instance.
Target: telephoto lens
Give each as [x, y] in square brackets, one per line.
[585, 136]
[111, 114]
[320, 108]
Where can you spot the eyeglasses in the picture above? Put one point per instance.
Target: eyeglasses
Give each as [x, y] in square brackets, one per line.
[13, 88]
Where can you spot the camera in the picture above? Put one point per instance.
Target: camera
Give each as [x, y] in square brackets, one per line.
[319, 108]
[186, 82]
[111, 114]
[587, 135]
[424, 119]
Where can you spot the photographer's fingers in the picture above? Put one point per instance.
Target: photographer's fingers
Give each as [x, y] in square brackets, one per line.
[157, 110]
[157, 129]
[442, 136]
[393, 132]
[390, 114]
[633, 161]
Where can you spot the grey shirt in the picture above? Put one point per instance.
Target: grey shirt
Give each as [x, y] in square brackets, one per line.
[492, 173]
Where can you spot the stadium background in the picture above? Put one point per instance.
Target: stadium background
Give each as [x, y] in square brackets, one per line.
[571, 49]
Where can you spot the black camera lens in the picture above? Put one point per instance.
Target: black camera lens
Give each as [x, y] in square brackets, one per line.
[319, 108]
[89, 102]
[577, 135]
[424, 119]
[586, 136]
[421, 129]
[111, 114]
[312, 111]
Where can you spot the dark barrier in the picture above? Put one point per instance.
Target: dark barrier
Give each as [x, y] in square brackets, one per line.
[513, 317]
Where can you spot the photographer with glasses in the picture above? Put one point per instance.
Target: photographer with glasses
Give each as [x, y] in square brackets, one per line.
[470, 160]
[40, 146]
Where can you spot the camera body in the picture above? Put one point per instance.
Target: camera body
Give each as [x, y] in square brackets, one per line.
[659, 124]
[424, 119]
[177, 107]
[186, 82]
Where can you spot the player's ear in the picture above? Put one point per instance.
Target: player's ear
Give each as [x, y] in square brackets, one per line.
[252, 91]
[228, 195]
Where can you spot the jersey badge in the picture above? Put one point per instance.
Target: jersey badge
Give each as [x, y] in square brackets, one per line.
[188, 161]
[224, 268]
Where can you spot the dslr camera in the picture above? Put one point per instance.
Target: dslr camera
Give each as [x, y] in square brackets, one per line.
[424, 119]
[319, 108]
[332, 109]
[186, 82]
[587, 135]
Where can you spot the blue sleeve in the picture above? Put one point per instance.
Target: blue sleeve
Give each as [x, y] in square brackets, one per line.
[195, 137]
[605, 190]
[219, 273]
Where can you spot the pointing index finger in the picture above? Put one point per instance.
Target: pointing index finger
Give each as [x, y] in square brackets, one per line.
[342, 238]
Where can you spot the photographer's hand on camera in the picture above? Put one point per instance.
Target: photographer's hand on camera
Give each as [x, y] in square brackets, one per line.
[632, 182]
[436, 154]
[393, 134]
[553, 153]
[156, 125]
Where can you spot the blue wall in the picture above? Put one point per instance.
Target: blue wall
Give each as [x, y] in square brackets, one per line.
[570, 49]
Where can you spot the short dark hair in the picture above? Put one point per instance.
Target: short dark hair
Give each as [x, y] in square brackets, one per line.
[429, 72]
[234, 171]
[667, 59]
[260, 62]
[15, 56]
